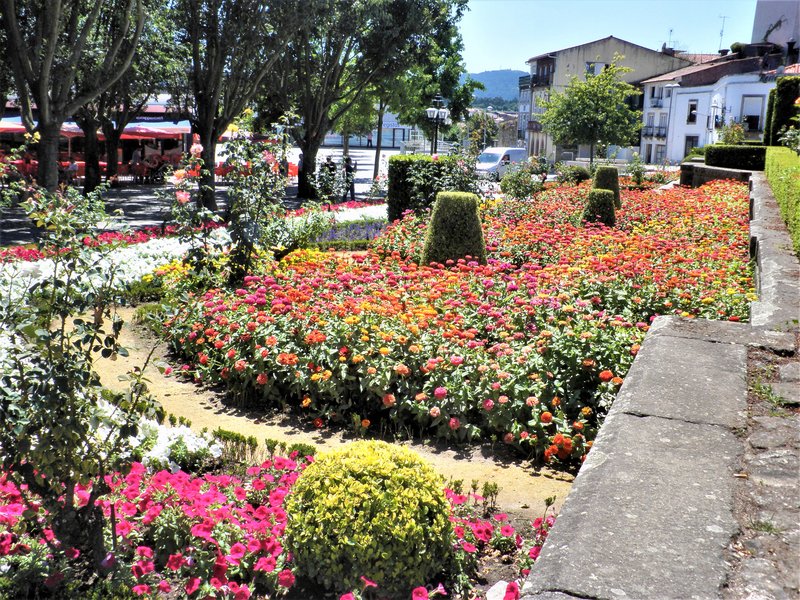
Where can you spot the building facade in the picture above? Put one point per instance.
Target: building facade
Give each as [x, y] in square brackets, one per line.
[687, 108]
[552, 72]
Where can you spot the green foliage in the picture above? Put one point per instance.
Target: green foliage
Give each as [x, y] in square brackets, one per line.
[600, 207]
[524, 180]
[482, 131]
[732, 134]
[768, 136]
[237, 449]
[787, 90]
[696, 151]
[415, 179]
[572, 174]
[60, 430]
[782, 169]
[594, 111]
[607, 178]
[371, 509]
[455, 229]
[736, 157]
[636, 169]
[258, 220]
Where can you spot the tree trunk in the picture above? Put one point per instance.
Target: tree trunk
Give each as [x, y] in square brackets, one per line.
[206, 197]
[591, 154]
[378, 139]
[345, 143]
[112, 149]
[91, 157]
[47, 153]
[310, 148]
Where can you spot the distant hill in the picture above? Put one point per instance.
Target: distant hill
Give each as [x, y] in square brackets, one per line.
[503, 84]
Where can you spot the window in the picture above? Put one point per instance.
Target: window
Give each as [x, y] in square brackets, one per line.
[661, 152]
[692, 141]
[594, 68]
[752, 107]
[651, 119]
[691, 116]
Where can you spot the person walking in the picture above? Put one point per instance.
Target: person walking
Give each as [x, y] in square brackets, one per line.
[350, 179]
[369, 140]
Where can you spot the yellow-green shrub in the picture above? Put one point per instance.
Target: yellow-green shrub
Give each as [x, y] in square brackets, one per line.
[607, 178]
[370, 509]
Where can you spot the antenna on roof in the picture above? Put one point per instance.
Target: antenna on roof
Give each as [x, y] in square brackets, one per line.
[669, 42]
[722, 31]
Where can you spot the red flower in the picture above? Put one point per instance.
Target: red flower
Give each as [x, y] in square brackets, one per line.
[286, 578]
[606, 375]
[192, 585]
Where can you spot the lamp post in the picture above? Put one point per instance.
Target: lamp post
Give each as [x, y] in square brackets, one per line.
[438, 115]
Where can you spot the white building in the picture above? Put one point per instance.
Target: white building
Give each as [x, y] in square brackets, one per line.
[688, 107]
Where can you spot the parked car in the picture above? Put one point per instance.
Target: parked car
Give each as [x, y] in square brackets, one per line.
[493, 162]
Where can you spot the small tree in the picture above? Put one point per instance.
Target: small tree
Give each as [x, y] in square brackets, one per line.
[594, 111]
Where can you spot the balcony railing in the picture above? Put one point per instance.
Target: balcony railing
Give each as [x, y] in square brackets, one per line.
[647, 130]
[661, 132]
[656, 102]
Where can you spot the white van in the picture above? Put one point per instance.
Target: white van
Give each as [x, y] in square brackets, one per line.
[493, 162]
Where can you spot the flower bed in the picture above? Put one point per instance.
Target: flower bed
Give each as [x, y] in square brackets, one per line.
[218, 535]
[530, 348]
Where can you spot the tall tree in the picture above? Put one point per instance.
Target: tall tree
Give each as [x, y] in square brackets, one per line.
[155, 68]
[233, 44]
[48, 45]
[346, 46]
[593, 111]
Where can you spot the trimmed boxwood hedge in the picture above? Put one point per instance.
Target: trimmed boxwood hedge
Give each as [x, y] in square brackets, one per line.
[783, 173]
[415, 179]
[736, 157]
[787, 89]
[607, 178]
[455, 229]
[600, 207]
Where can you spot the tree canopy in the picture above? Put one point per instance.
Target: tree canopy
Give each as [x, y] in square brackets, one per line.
[594, 111]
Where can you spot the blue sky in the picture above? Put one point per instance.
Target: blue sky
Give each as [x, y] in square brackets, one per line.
[503, 34]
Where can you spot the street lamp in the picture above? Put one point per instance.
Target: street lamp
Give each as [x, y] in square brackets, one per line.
[438, 115]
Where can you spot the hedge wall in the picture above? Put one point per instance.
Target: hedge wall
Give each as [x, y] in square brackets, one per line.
[768, 141]
[787, 89]
[736, 157]
[415, 179]
[783, 173]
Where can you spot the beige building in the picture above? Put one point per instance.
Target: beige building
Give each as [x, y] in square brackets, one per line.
[553, 71]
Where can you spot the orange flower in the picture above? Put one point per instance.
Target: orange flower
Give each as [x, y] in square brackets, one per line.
[365, 423]
[389, 400]
[606, 375]
[546, 417]
[402, 370]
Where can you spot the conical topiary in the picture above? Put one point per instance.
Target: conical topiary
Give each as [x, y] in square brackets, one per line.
[600, 208]
[607, 178]
[455, 229]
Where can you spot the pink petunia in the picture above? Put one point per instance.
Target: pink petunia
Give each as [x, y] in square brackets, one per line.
[419, 593]
[192, 585]
[286, 578]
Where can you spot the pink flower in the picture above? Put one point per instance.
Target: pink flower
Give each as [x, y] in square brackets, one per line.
[454, 423]
[286, 578]
[196, 150]
[141, 589]
[435, 412]
[419, 593]
[192, 585]
[488, 404]
[175, 561]
[72, 553]
[439, 393]
[182, 196]
[456, 360]
[236, 553]
[468, 547]
[145, 551]
[164, 587]
[368, 583]
[389, 400]
[347, 596]
[512, 591]
[265, 563]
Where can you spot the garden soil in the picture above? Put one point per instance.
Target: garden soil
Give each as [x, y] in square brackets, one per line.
[522, 489]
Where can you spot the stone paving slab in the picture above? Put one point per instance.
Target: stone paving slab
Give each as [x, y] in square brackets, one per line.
[727, 332]
[675, 488]
[686, 379]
